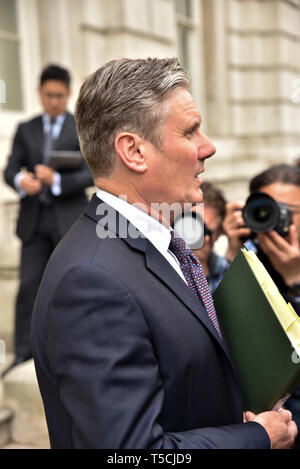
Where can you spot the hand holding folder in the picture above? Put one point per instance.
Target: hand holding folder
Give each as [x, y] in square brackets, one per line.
[262, 332]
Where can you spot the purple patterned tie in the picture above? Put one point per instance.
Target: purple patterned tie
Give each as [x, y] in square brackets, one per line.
[194, 275]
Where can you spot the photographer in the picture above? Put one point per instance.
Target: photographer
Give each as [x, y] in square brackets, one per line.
[279, 254]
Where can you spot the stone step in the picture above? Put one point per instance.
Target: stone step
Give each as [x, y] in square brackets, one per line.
[22, 397]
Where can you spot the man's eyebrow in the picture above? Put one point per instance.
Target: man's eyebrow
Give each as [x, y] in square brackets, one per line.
[194, 126]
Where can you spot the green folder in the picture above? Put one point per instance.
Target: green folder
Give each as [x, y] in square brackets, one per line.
[266, 362]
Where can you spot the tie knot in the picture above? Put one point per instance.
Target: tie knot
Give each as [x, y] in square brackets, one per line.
[179, 247]
[176, 241]
[52, 121]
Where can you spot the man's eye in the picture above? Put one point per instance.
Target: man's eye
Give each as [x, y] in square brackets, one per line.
[191, 132]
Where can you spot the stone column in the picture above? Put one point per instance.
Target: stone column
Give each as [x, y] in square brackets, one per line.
[216, 60]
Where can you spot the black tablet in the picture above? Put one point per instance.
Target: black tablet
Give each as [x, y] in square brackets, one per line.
[64, 159]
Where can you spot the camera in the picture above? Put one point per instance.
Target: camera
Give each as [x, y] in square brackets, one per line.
[262, 213]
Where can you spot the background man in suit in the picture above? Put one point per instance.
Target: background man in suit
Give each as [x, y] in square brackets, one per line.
[50, 201]
[126, 354]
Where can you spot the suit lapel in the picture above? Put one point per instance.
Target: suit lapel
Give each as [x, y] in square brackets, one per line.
[161, 268]
[64, 134]
[37, 138]
[101, 213]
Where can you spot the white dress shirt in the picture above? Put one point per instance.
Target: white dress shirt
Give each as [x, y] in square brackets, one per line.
[158, 234]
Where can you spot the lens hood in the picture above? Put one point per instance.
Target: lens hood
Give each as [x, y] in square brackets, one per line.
[261, 212]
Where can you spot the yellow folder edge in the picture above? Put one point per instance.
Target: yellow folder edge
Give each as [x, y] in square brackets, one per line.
[285, 313]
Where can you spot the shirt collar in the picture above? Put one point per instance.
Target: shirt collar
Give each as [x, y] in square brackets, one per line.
[58, 120]
[152, 229]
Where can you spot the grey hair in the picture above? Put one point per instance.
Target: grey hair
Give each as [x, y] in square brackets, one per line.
[126, 95]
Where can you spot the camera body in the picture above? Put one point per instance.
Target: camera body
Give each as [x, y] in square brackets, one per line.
[262, 213]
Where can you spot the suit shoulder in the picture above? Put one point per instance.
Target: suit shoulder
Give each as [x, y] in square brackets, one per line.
[70, 117]
[31, 123]
[70, 123]
[22, 128]
[34, 120]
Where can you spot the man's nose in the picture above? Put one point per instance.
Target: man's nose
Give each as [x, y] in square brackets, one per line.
[206, 148]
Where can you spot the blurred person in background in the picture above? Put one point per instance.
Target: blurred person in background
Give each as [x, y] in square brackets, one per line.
[50, 201]
[213, 264]
[280, 255]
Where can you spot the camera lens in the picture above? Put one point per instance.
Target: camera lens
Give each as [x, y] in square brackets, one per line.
[261, 213]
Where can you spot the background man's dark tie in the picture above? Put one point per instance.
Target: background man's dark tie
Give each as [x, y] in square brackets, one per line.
[48, 141]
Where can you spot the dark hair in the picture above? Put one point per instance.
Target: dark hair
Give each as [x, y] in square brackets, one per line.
[55, 72]
[297, 162]
[284, 173]
[214, 197]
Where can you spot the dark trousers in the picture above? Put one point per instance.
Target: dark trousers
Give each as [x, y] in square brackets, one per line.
[34, 257]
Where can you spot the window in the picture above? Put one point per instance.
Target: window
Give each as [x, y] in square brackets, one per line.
[10, 71]
[183, 7]
[185, 24]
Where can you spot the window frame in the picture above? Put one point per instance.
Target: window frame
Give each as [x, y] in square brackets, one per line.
[196, 62]
[29, 56]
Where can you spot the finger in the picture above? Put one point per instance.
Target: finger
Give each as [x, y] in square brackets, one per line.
[239, 233]
[292, 429]
[249, 416]
[279, 241]
[232, 206]
[293, 236]
[286, 414]
[237, 222]
[271, 245]
[242, 232]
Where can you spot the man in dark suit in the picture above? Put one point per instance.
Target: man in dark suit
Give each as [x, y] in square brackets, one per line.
[127, 355]
[50, 201]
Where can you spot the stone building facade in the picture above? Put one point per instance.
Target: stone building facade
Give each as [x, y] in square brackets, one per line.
[243, 57]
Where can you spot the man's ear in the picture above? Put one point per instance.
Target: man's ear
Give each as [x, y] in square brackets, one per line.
[131, 150]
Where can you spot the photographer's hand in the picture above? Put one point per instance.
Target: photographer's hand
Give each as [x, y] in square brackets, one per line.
[283, 253]
[235, 228]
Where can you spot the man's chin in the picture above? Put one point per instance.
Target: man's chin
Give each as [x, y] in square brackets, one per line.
[197, 197]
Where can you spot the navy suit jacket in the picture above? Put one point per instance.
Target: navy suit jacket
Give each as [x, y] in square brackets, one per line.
[125, 355]
[27, 151]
